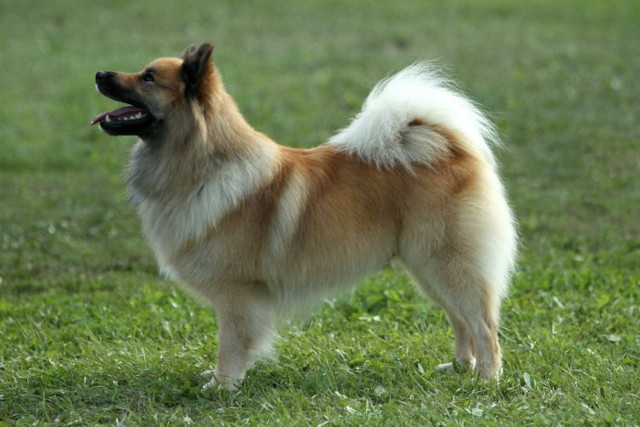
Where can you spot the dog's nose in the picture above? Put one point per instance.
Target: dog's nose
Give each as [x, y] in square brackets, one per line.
[101, 75]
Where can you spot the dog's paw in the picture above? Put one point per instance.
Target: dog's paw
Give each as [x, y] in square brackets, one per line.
[457, 366]
[216, 380]
[488, 371]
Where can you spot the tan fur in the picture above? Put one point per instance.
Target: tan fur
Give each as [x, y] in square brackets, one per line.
[260, 230]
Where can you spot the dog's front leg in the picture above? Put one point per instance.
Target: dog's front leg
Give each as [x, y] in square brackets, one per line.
[245, 329]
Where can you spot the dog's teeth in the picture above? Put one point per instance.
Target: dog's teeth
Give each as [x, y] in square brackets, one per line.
[107, 118]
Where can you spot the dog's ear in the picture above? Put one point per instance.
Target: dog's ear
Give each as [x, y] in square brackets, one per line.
[196, 67]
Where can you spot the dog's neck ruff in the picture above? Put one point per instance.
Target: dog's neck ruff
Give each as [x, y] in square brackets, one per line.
[173, 221]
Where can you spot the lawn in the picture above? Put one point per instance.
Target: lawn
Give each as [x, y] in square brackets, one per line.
[90, 333]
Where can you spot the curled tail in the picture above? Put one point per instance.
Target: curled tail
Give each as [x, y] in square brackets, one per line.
[414, 117]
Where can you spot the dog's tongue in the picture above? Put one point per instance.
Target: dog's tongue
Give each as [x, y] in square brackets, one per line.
[124, 111]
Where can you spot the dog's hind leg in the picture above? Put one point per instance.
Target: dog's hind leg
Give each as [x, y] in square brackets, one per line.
[464, 348]
[472, 307]
[245, 329]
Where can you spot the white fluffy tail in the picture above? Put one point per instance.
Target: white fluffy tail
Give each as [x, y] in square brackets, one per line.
[414, 117]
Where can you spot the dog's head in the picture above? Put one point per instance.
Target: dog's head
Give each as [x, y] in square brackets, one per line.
[159, 90]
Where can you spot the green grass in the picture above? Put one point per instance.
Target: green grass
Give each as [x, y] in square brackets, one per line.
[89, 332]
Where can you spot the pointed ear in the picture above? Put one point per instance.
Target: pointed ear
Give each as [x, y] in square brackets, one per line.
[196, 67]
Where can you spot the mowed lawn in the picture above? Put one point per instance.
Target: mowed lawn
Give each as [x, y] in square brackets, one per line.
[90, 332]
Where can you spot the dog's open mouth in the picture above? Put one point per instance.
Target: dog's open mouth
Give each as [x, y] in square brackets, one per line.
[127, 120]
[132, 119]
[125, 114]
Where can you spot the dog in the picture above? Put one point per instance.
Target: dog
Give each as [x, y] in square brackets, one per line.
[261, 230]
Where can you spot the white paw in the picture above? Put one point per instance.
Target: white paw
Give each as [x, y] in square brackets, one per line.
[445, 367]
[488, 371]
[207, 375]
[456, 366]
[217, 380]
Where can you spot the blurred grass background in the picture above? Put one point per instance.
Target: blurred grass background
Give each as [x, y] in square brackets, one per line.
[90, 334]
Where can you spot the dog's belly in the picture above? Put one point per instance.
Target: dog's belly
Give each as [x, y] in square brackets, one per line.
[317, 264]
[323, 267]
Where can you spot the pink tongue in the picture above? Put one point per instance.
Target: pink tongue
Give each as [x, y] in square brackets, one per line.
[124, 111]
[97, 119]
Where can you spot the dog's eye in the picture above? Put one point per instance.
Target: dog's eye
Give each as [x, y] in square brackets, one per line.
[148, 78]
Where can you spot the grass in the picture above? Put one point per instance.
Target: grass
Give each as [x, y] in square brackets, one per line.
[89, 332]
